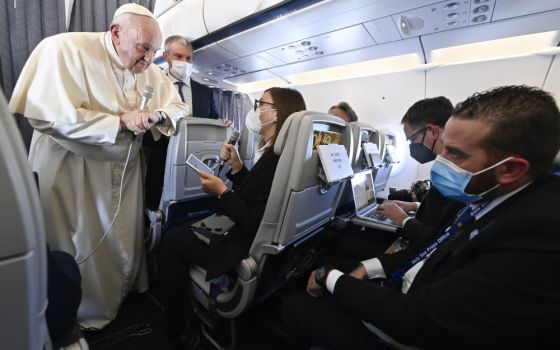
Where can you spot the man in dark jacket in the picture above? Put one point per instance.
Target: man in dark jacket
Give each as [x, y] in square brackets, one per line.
[486, 281]
[423, 125]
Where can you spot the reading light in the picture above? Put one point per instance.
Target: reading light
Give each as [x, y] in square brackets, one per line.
[481, 9]
[480, 18]
[451, 6]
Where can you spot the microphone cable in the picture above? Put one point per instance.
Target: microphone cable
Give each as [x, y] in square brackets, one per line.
[81, 261]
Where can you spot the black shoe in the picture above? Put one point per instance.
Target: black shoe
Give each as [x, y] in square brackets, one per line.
[187, 341]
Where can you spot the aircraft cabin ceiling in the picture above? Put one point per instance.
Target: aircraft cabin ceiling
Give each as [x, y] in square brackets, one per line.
[242, 42]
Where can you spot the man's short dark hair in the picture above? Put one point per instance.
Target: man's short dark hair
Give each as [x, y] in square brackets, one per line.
[525, 121]
[345, 107]
[436, 110]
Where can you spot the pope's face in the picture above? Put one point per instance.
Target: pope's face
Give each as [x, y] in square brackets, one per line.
[137, 44]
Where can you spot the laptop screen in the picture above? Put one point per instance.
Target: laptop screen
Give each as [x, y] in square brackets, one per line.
[362, 187]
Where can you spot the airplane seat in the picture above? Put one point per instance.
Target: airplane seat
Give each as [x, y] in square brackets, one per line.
[556, 165]
[389, 342]
[387, 148]
[23, 253]
[182, 198]
[298, 208]
[362, 133]
[248, 142]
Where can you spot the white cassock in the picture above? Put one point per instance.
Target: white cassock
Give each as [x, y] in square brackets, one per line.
[72, 89]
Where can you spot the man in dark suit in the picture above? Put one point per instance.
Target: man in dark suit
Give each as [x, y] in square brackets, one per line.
[178, 53]
[423, 125]
[487, 281]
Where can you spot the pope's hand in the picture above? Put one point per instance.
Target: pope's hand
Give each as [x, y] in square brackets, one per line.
[139, 121]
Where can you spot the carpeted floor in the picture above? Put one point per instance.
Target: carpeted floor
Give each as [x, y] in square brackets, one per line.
[140, 325]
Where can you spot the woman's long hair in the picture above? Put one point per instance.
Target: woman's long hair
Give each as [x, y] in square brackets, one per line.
[286, 102]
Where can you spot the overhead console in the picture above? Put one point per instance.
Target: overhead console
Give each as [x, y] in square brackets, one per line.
[280, 39]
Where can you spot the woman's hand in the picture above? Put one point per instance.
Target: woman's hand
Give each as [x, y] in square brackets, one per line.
[212, 184]
[230, 154]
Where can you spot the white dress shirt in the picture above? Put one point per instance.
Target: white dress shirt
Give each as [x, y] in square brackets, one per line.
[185, 89]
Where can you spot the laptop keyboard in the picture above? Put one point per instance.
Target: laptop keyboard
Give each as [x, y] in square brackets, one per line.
[374, 214]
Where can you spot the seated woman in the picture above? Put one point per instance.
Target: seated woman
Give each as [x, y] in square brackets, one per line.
[245, 205]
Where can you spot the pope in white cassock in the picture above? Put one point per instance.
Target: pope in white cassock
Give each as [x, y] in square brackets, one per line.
[81, 93]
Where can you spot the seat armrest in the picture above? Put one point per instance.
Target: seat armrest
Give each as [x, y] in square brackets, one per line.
[246, 269]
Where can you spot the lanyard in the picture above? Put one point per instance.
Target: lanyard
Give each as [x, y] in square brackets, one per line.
[463, 217]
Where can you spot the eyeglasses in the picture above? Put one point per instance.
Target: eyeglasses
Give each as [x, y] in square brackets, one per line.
[145, 48]
[413, 136]
[259, 103]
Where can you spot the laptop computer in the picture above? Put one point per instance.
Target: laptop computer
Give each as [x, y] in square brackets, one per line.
[365, 201]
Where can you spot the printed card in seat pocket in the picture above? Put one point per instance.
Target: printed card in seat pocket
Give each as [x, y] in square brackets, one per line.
[212, 225]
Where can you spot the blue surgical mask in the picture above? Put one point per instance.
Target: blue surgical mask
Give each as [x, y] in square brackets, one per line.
[451, 180]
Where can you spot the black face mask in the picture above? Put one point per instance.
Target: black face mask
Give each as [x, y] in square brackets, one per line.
[420, 152]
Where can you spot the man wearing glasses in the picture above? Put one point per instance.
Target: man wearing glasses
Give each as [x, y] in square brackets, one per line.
[82, 94]
[423, 125]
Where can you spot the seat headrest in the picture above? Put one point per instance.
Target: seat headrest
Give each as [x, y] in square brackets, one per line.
[358, 128]
[246, 144]
[296, 120]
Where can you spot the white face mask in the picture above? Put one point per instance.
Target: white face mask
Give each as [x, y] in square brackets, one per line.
[181, 70]
[253, 122]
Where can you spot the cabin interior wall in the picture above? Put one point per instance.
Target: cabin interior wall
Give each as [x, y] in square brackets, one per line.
[382, 100]
[459, 81]
[379, 100]
[552, 83]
